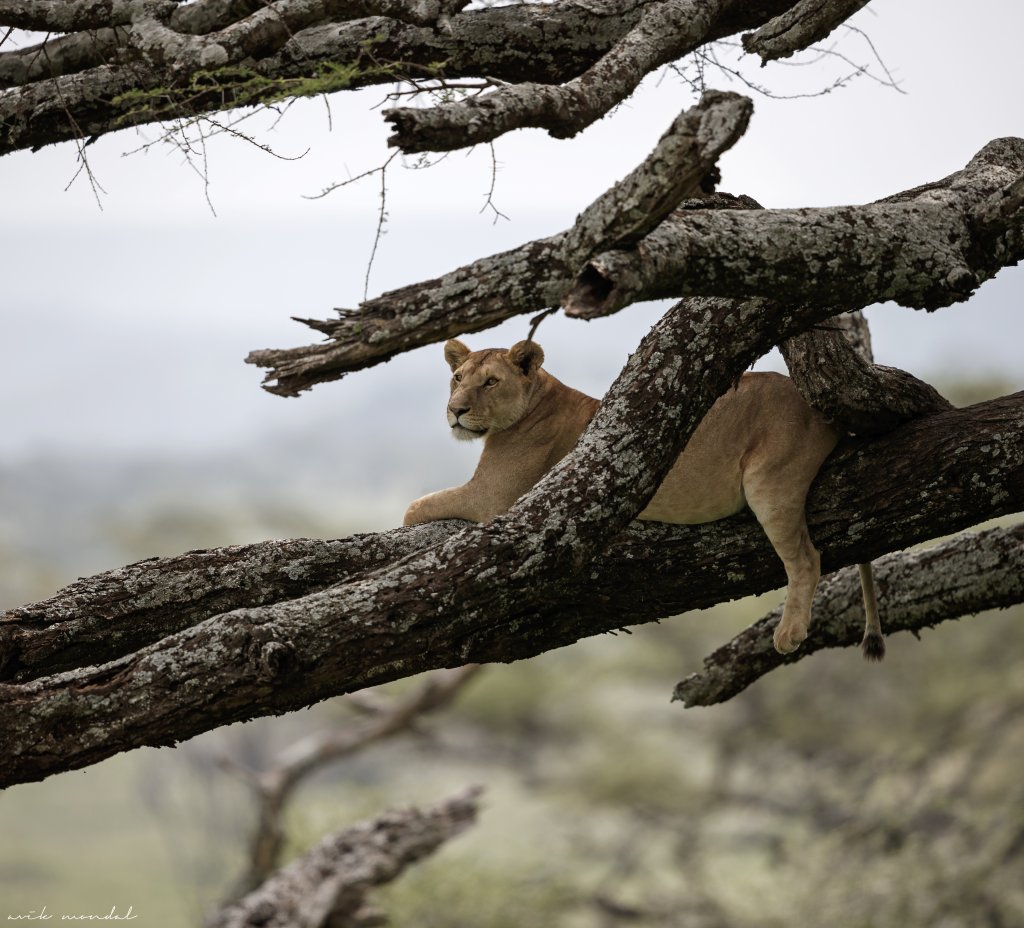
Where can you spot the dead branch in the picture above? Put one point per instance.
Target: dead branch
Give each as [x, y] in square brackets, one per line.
[328, 885]
[802, 25]
[274, 787]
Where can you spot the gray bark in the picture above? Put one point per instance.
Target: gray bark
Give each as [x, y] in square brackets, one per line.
[925, 247]
[969, 574]
[121, 64]
[327, 886]
[832, 366]
[524, 279]
[120, 611]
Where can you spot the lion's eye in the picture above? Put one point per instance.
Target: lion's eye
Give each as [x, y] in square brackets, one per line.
[457, 377]
[491, 381]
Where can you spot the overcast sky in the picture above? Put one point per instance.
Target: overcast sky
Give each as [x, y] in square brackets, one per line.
[125, 327]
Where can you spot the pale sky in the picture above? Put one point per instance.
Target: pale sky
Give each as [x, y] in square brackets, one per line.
[125, 327]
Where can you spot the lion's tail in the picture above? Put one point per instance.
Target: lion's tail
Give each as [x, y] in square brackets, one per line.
[873, 644]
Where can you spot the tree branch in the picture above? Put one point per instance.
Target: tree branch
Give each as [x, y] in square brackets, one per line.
[667, 29]
[58, 56]
[969, 574]
[709, 250]
[805, 23]
[327, 886]
[170, 62]
[123, 610]
[274, 787]
[532, 276]
[79, 15]
[832, 367]
[847, 257]
[518, 586]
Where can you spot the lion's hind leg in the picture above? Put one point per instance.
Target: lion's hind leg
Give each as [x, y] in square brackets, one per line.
[785, 524]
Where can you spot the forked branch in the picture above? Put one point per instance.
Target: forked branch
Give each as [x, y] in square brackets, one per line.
[528, 278]
[969, 225]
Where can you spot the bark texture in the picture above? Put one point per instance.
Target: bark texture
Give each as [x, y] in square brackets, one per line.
[925, 247]
[327, 886]
[969, 574]
[969, 225]
[833, 368]
[484, 293]
[120, 611]
[108, 64]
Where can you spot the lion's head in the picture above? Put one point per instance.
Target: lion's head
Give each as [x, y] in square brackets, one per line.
[491, 389]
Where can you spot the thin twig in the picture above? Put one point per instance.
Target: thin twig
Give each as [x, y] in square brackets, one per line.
[538, 319]
[81, 143]
[489, 202]
[892, 82]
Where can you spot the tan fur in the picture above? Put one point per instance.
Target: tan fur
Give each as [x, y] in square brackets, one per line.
[760, 445]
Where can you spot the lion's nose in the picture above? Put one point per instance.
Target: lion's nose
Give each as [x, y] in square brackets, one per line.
[458, 410]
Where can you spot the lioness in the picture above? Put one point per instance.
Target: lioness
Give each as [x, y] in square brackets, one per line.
[760, 445]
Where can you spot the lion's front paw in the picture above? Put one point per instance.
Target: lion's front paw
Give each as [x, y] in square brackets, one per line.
[787, 638]
[414, 514]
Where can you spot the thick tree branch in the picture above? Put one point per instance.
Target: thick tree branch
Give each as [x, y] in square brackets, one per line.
[847, 257]
[527, 278]
[57, 56]
[667, 29]
[807, 22]
[831, 365]
[739, 251]
[969, 574]
[121, 611]
[161, 61]
[517, 586]
[327, 886]
[79, 15]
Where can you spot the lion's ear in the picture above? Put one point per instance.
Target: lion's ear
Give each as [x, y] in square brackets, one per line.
[527, 356]
[455, 353]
